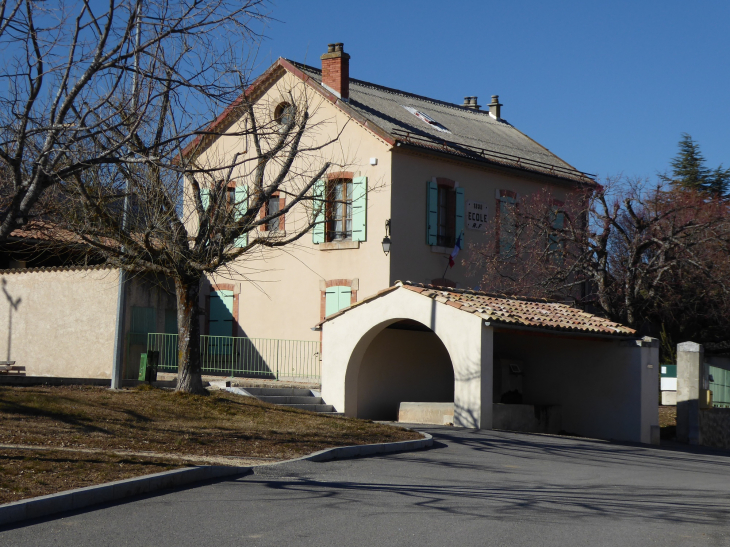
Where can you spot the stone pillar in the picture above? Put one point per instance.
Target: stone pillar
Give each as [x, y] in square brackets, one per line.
[690, 368]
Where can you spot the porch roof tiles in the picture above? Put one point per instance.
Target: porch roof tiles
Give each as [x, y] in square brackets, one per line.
[509, 310]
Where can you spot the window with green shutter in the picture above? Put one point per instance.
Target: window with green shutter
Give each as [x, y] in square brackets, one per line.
[340, 207]
[336, 299]
[445, 207]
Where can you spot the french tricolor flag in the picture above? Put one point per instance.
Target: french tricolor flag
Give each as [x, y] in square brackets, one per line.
[455, 252]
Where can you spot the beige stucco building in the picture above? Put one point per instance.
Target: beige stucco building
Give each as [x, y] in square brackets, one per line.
[430, 170]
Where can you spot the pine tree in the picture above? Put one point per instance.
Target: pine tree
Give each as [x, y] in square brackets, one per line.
[689, 170]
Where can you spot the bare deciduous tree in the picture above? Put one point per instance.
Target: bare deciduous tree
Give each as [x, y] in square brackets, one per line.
[639, 254]
[82, 81]
[112, 111]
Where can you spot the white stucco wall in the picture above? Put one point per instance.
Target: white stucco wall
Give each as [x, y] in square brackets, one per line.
[402, 366]
[64, 323]
[347, 338]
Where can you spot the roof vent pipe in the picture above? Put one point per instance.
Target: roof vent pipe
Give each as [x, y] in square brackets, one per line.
[495, 108]
[471, 102]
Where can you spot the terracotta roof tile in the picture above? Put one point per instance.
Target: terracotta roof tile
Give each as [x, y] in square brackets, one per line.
[514, 310]
[510, 310]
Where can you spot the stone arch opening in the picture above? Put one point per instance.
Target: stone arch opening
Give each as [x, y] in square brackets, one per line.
[404, 362]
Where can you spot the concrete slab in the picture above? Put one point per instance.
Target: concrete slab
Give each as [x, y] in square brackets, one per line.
[426, 413]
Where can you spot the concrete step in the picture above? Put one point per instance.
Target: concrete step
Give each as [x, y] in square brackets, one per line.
[286, 400]
[278, 391]
[312, 407]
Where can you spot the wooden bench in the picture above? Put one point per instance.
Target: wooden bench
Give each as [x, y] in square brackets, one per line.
[9, 367]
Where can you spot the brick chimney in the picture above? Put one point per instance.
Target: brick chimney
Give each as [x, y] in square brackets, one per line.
[336, 70]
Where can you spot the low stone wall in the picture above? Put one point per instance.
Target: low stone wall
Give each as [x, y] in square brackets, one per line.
[715, 427]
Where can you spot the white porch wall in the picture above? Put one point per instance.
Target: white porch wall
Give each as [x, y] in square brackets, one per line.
[347, 338]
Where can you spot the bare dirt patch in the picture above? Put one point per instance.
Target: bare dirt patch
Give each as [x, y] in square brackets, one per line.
[159, 421]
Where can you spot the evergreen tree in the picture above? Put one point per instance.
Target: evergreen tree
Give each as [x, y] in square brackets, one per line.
[689, 170]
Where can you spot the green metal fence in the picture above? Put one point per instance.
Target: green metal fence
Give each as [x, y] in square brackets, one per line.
[237, 356]
[720, 387]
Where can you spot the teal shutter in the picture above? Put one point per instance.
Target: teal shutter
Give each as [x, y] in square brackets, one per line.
[432, 212]
[336, 299]
[242, 208]
[344, 297]
[205, 198]
[459, 224]
[221, 313]
[359, 208]
[318, 207]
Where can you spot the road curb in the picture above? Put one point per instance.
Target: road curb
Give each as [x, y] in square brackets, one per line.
[354, 451]
[81, 498]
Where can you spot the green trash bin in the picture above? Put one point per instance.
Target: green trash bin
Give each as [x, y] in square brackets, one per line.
[142, 368]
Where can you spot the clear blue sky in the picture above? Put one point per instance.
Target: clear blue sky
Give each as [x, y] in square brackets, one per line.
[608, 86]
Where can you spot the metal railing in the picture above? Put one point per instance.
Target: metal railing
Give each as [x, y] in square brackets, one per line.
[238, 356]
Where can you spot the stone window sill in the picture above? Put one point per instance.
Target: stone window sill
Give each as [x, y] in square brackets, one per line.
[441, 250]
[338, 245]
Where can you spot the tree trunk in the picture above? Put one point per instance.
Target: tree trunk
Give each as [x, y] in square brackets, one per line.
[188, 345]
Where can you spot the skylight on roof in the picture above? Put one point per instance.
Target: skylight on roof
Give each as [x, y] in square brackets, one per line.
[426, 118]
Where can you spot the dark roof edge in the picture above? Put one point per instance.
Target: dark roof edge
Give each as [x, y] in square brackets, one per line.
[42, 269]
[484, 162]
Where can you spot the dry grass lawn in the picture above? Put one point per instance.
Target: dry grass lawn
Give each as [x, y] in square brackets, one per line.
[151, 420]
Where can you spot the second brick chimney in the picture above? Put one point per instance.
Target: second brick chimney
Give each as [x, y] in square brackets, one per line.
[336, 70]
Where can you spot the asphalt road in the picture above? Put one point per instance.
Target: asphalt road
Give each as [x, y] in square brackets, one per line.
[472, 488]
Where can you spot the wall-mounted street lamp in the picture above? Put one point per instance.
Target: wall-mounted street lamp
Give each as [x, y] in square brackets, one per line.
[386, 239]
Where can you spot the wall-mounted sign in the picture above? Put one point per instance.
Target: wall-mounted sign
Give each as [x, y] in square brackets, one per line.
[476, 215]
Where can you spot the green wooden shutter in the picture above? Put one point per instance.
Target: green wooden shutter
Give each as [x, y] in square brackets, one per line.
[344, 298]
[242, 208]
[205, 198]
[432, 212]
[359, 208]
[336, 299]
[318, 205]
[459, 224]
[221, 313]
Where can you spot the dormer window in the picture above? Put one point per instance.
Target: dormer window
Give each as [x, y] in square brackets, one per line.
[426, 118]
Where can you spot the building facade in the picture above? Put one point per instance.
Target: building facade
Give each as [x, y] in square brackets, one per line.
[424, 172]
